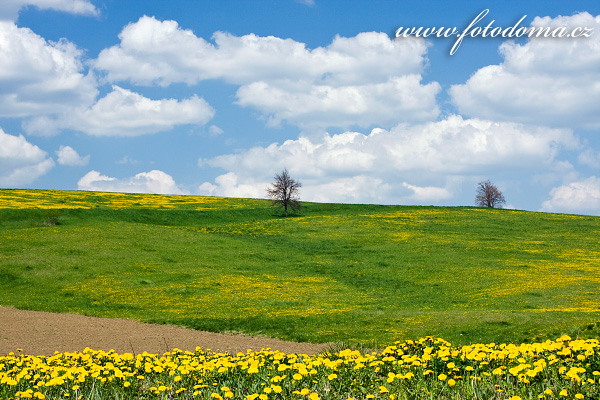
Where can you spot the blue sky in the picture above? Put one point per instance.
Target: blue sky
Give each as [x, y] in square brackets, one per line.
[215, 97]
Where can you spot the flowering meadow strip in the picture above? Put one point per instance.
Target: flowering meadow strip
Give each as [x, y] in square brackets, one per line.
[23, 199]
[428, 368]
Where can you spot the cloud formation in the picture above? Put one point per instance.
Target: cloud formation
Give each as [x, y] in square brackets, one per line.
[545, 81]
[451, 145]
[125, 113]
[412, 163]
[428, 193]
[310, 105]
[153, 182]
[161, 52]
[352, 189]
[45, 82]
[40, 77]
[68, 156]
[361, 80]
[579, 197]
[228, 185]
[9, 9]
[21, 162]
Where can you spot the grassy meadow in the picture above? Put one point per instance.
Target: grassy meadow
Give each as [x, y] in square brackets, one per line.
[363, 274]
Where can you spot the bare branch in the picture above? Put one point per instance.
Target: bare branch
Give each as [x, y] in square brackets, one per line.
[488, 195]
[284, 192]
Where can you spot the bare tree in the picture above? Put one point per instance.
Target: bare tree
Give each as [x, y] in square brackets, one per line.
[488, 195]
[284, 191]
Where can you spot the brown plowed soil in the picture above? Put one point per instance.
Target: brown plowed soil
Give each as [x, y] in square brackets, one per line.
[43, 333]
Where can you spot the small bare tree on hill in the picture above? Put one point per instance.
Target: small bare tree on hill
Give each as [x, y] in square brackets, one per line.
[284, 191]
[488, 195]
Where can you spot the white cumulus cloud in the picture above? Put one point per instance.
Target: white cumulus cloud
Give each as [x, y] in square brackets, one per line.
[9, 9]
[545, 81]
[428, 193]
[314, 105]
[125, 113]
[408, 163]
[352, 189]
[40, 77]
[21, 162]
[228, 185]
[362, 80]
[450, 145]
[153, 51]
[154, 182]
[68, 156]
[579, 197]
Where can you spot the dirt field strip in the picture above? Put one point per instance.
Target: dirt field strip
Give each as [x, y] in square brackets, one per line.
[43, 333]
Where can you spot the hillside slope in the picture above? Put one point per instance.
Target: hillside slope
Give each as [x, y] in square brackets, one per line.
[362, 273]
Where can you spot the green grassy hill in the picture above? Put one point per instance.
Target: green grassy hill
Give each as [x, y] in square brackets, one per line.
[333, 272]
